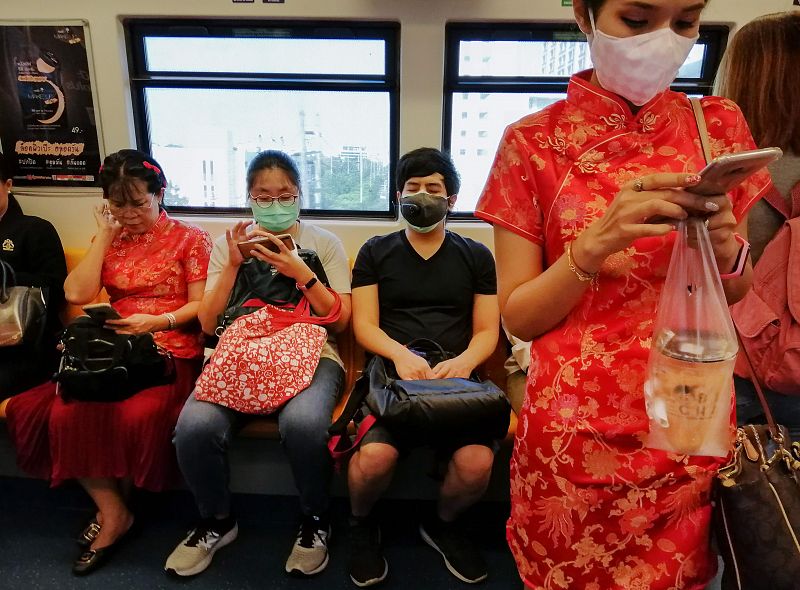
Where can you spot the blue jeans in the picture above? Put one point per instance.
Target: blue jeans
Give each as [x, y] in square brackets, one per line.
[785, 408]
[204, 431]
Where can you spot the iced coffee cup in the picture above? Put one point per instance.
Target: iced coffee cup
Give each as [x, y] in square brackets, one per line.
[689, 390]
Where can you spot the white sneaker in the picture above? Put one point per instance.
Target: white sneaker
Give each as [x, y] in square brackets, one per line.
[309, 554]
[195, 552]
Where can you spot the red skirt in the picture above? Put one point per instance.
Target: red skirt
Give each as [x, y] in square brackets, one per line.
[132, 439]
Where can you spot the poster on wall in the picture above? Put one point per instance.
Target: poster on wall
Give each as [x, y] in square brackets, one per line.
[48, 118]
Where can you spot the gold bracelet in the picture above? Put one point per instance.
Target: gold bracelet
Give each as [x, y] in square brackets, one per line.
[583, 276]
[171, 320]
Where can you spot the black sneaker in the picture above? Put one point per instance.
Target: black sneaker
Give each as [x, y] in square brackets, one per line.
[461, 557]
[367, 564]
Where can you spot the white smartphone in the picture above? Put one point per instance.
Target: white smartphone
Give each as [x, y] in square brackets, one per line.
[100, 312]
[723, 174]
[246, 247]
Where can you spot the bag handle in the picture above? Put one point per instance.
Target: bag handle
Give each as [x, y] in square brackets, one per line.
[432, 344]
[8, 271]
[772, 425]
[302, 313]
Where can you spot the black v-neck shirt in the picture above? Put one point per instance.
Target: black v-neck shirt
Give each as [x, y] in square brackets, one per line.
[431, 298]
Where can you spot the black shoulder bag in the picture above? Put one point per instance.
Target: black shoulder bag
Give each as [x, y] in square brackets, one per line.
[99, 365]
[422, 411]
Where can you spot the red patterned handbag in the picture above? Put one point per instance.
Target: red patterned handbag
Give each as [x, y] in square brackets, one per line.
[265, 358]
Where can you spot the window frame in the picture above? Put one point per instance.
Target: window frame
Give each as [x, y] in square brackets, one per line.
[715, 36]
[137, 29]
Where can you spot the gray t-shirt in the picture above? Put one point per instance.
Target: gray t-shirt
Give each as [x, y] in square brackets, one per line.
[331, 254]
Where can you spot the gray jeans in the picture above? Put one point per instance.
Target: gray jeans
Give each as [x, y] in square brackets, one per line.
[204, 431]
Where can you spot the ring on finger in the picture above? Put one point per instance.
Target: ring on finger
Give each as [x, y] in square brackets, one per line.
[638, 185]
[706, 223]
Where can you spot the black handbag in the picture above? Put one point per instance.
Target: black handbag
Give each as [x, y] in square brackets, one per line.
[258, 283]
[23, 312]
[422, 411]
[99, 365]
[757, 513]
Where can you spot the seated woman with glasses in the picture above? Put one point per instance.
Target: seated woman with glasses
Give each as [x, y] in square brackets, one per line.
[204, 429]
[154, 269]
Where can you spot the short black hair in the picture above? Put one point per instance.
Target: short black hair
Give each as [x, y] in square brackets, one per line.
[121, 168]
[269, 160]
[424, 162]
[5, 168]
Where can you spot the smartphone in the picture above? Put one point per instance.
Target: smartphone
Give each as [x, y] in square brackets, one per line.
[246, 247]
[100, 312]
[726, 172]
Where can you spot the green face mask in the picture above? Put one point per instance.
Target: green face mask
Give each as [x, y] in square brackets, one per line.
[276, 217]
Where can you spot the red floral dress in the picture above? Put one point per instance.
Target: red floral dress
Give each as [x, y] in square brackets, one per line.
[57, 440]
[591, 507]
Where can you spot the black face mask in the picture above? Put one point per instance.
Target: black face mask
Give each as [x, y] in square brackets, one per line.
[423, 211]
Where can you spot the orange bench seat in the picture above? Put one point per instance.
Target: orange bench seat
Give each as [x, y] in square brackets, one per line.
[352, 356]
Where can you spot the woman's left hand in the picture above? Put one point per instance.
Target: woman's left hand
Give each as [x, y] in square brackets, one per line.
[287, 262]
[138, 323]
[721, 226]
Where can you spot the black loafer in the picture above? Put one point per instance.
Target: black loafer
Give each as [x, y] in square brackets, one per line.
[89, 534]
[91, 560]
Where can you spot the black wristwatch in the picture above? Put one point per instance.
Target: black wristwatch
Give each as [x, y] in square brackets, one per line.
[308, 285]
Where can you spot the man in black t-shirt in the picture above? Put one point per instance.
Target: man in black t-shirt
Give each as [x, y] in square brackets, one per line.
[423, 282]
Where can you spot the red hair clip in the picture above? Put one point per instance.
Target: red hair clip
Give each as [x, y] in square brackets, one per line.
[101, 169]
[152, 167]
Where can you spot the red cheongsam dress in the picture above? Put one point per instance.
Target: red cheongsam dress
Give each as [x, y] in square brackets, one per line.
[592, 509]
[57, 440]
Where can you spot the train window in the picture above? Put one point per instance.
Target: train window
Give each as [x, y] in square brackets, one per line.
[497, 73]
[208, 95]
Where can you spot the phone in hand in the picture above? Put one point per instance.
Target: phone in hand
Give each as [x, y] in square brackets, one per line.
[246, 247]
[100, 312]
[726, 172]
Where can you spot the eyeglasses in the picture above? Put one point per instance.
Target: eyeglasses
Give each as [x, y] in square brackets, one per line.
[265, 201]
[141, 208]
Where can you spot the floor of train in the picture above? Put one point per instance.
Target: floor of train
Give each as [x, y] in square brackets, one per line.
[38, 525]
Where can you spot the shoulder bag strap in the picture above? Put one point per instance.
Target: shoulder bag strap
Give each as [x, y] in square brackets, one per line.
[775, 200]
[773, 428]
[3, 285]
[700, 119]
[795, 194]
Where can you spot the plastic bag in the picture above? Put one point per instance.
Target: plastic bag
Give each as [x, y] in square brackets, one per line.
[688, 389]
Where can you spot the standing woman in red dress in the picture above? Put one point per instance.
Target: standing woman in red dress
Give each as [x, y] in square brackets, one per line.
[154, 269]
[583, 196]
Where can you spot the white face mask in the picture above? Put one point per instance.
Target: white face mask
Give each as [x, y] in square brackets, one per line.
[638, 67]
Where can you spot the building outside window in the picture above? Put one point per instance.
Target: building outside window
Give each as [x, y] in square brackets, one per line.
[209, 95]
[520, 68]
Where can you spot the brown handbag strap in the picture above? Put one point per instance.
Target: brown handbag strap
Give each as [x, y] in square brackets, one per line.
[702, 128]
[773, 427]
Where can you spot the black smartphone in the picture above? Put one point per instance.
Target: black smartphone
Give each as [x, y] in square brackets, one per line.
[100, 312]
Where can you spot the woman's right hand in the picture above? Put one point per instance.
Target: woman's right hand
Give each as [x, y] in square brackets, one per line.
[646, 207]
[107, 224]
[238, 233]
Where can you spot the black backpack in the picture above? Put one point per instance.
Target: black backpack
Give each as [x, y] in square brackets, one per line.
[260, 280]
[99, 365]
